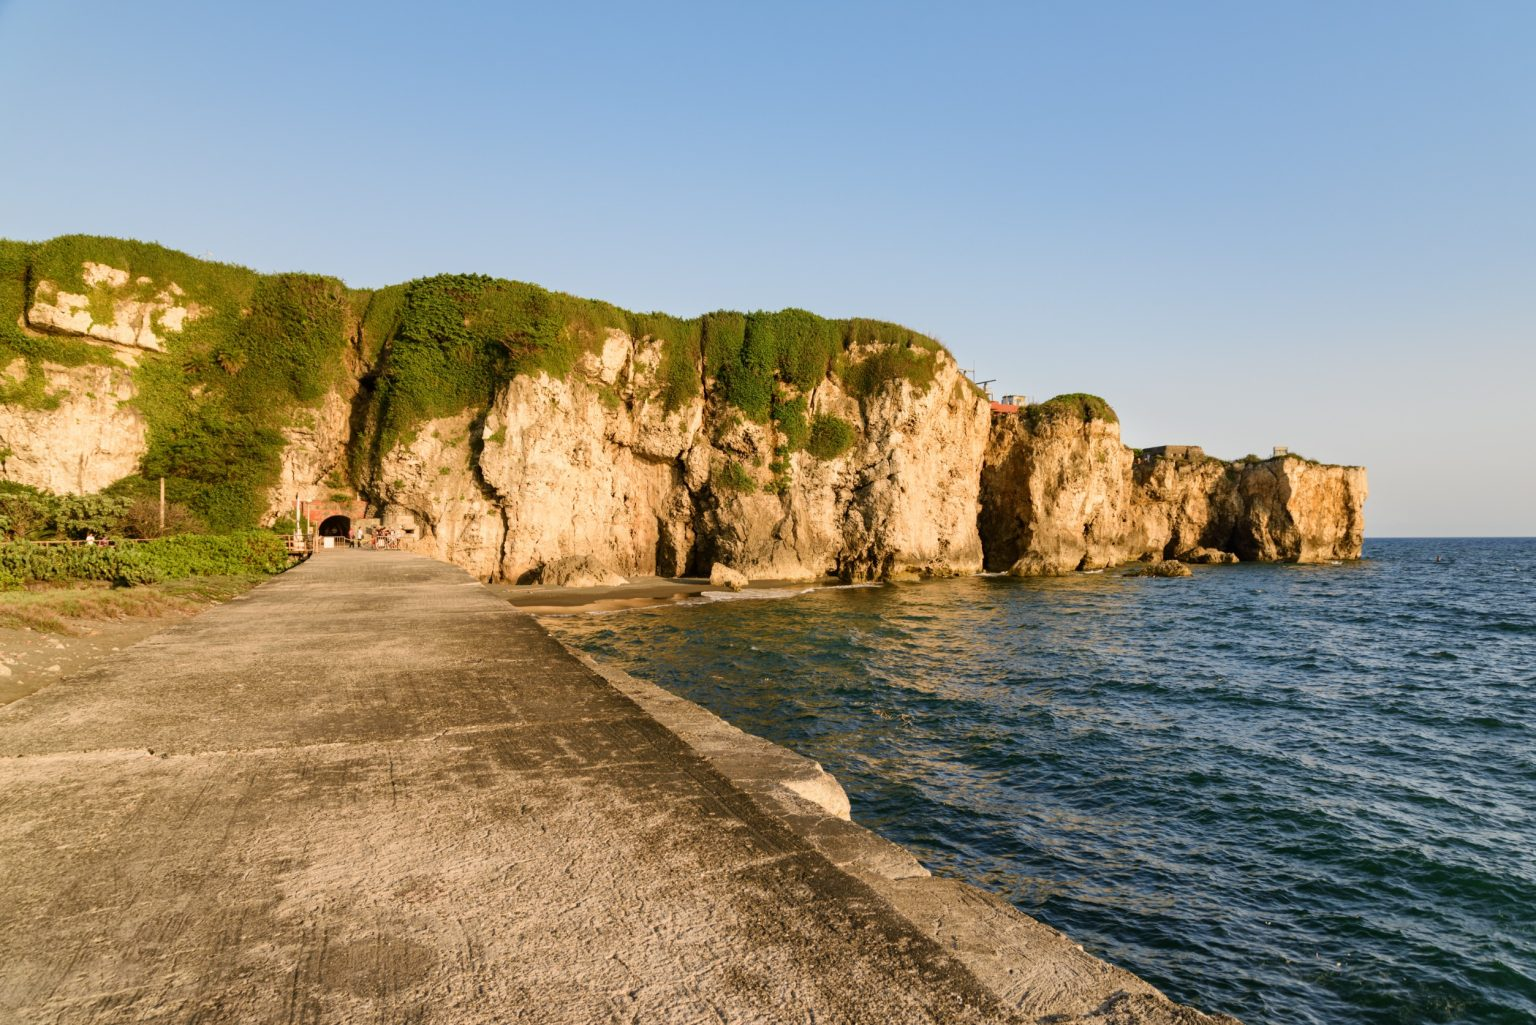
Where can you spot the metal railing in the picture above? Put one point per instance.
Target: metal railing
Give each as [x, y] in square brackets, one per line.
[100, 542]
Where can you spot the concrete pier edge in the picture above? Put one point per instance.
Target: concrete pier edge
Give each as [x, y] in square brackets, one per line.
[1030, 966]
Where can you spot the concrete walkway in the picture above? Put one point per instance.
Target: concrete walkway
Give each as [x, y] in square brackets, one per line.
[372, 792]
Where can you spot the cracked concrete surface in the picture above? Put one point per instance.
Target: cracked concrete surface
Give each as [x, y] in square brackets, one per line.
[372, 791]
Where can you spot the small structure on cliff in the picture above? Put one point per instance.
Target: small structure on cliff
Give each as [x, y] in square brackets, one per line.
[1009, 405]
[1188, 453]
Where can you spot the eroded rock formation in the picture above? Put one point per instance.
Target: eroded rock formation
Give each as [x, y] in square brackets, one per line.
[111, 310]
[596, 464]
[1062, 493]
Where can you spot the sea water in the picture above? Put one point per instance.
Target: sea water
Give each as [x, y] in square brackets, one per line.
[1290, 793]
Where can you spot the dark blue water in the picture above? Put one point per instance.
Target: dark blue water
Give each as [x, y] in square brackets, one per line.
[1294, 794]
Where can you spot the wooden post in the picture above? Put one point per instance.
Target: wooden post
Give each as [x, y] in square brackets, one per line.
[162, 506]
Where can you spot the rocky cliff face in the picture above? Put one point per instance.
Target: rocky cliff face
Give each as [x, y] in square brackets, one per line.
[1062, 493]
[537, 435]
[596, 464]
[134, 316]
[81, 435]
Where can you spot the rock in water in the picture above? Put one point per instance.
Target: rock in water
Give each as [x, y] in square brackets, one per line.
[1037, 565]
[721, 575]
[1166, 568]
[1208, 557]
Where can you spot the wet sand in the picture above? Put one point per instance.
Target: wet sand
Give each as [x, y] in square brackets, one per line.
[640, 592]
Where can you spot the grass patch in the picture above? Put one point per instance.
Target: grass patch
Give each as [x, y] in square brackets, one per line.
[23, 564]
[61, 610]
[734, 477]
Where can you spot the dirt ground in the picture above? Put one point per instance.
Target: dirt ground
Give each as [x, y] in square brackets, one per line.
[31, 659]
[51, 634]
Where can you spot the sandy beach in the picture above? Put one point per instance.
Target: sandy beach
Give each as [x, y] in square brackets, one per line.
[644, 591]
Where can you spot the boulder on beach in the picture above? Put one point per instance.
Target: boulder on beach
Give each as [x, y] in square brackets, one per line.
[721, 575]
[578, 571]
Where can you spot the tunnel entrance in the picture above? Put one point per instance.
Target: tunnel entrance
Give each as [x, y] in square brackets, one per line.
[335, 526]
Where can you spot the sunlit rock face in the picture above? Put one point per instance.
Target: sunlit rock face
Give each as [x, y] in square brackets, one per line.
[135, 314]
[595, 464]
[80, 436]
[593, 467]
[1059, 496]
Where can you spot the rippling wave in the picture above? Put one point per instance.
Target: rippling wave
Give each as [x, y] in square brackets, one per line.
[1294, 794]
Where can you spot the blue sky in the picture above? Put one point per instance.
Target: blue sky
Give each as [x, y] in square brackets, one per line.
[1243, 224]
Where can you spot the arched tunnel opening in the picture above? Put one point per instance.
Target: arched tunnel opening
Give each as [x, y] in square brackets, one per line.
[335, 526]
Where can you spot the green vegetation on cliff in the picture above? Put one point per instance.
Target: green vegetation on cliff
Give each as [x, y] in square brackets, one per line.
[256, 351]
[445, 343]
[253, 351]
[24, 384]
[1076, 407]
[830, 436]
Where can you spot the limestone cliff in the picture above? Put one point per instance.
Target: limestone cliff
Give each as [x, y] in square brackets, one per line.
[110, 308]
[596, 464]
[1061, 493]
[80, 435]
[515, 431]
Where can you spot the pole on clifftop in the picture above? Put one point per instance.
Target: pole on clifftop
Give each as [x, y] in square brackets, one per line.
[162, 506]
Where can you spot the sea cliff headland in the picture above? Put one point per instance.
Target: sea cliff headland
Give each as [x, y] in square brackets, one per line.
[519, 432]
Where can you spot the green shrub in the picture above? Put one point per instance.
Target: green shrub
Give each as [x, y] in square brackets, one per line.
[830, 436]
[1076, 407]
[28, 513]
[789, 418]
[886, 366]
[734, 477]
[146, 562]
[781, 470]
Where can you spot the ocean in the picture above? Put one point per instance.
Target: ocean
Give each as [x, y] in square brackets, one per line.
[1288, 793]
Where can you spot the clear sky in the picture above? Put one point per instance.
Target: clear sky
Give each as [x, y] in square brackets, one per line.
[1244, 224]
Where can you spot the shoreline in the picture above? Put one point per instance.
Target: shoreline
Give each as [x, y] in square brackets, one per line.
[648, 592]
[1030, 966]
